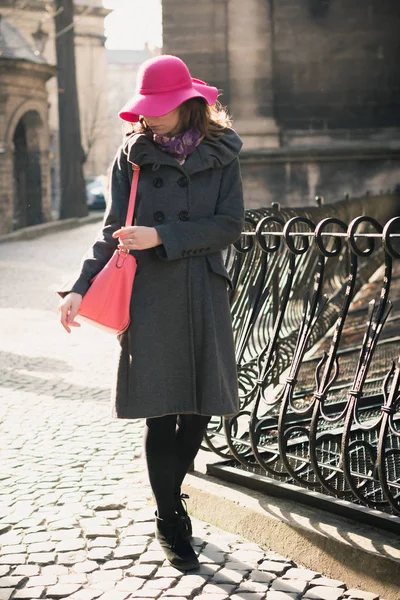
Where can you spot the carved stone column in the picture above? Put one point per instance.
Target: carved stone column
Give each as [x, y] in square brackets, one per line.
[250, 45]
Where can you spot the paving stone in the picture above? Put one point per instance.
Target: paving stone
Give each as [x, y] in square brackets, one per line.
[100, 554]
[13, 559]
[70, 558]
[107, 575]
[134, 540]
[40, 580]
[28, 570]
[145, 528]
[279, 568]
[65, 534]
[130, 584]
[181, 590]
[29, 593]
[204, 596]
[237, 565]
[12, 581]
[5, 569]
[261, 576]
[42, 558]
[152, 557]
[10, 539]
[103, 542]
[218, 589]
[217, 558]
[146, 593]
[305, 574]
[161, 583]
[28, 523]
[167, 571]
[41, 547]
[122, 522]
[251, 557]
[73, 578]
[293, 586]
[360, 595]
[34, 538]
[71, 545]
[228, 576]
[145, 514]
[85, 594]
[62, 590]
[117, 564]
[111, 514]
[275, 595]
[147, 570]
[63, 524]
[270, 555]
[6, 593]
[100, 531]
[129, 551]
[54, 570]
[248, 596]
[16, 549]
[324, 581]
[87, 566]
[115, 595]
[252, 586]
[324, 593]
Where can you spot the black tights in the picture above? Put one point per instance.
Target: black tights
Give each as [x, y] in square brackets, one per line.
[171, 444]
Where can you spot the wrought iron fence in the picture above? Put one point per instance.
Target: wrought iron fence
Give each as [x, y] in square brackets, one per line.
[319, 385]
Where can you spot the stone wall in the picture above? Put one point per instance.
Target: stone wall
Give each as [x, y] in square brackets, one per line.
[338, 66]
[23, 93]
[91, 67]
[197, 33]
[313, 86]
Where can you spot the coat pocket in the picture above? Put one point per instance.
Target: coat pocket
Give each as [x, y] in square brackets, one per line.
[218, 267]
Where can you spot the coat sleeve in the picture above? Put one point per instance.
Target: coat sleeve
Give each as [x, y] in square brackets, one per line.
[182, 239]
[104, 245]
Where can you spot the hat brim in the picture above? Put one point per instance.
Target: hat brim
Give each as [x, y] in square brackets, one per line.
[157, 105]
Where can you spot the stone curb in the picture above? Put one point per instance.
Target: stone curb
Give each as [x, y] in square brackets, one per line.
[35, 231]
[364, 557]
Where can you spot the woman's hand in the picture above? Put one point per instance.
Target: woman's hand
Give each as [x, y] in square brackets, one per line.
[68, 308]
[137, 238]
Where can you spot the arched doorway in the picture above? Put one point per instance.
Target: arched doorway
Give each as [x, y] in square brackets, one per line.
[27, 172]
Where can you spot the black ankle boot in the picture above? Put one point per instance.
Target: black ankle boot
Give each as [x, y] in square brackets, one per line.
[177, 549]
[181, 509]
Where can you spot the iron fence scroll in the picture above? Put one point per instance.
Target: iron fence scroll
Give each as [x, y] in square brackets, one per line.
[319, 371]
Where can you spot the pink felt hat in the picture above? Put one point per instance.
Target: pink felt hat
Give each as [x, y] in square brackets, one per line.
[162, 84]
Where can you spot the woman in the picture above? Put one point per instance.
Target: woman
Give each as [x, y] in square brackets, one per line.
[176, 363]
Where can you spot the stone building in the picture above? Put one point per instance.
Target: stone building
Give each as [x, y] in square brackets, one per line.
[31, 16]
[25, 194]
[313, 86]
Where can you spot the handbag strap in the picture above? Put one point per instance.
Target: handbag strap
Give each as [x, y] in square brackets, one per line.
[132, 196]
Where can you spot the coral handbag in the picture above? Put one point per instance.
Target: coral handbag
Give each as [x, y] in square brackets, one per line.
[106, 304]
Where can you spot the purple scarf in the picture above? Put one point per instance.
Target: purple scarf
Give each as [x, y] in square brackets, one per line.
[180, 146]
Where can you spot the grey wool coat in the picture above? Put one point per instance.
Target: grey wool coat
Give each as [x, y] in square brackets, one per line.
[178, 354]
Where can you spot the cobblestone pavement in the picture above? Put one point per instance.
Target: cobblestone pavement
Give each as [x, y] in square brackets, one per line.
[76, 518]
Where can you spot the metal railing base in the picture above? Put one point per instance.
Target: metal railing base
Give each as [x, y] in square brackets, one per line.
[232, 474]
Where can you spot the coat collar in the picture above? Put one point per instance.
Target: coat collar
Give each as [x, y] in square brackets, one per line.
[209, 154]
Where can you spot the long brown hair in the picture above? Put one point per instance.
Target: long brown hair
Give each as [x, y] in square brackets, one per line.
[210, 121]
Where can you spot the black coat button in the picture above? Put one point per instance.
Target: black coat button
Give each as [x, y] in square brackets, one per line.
[159, 216]
[183, 182]
[184, 215]
[158, 182]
